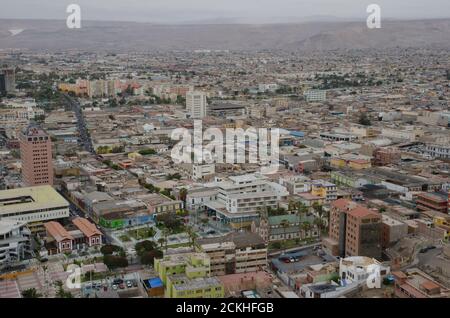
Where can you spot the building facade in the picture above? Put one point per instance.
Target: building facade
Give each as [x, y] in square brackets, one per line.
[36, 155]
[196, 104]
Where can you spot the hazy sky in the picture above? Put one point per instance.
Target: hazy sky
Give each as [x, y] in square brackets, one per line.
[175, 11]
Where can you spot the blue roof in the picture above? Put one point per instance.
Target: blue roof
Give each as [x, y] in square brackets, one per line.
[297, 133]
[155, 282]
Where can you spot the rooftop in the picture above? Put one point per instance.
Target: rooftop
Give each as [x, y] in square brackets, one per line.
[30, 199]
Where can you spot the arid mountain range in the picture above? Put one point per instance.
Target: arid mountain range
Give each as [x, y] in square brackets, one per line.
[53, 35]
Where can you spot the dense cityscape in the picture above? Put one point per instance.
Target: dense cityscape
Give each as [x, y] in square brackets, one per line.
[93, 204]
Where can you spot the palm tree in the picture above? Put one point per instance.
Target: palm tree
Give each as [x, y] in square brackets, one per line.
[301, 209]
[305, 226]
[192, 236]
[284, 224]
[165, 233]
[161, 242]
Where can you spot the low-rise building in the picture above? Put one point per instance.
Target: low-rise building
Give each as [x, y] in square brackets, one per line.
[181, 286]
[239, 252]
[414, 283]
[33, 205]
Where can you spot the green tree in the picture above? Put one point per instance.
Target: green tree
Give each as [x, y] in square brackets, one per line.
[30, 293]
[364, 120]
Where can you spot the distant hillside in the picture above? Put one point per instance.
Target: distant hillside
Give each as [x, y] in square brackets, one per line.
[125, 36]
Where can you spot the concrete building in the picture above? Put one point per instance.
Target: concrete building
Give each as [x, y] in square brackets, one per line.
[392, 230]
[240, 199]
[197, 198]
[7, 80]
[196, 104]
[324, 189]
[36, 155]
[315, 95]
[225, 110]
[202, 171]
[436, 201]
[192, 265]
[438, 150]
[33, 205]
[181, 286]
[416, 284]
[354, 230]
[15, 241]
[358, 268]
[386, 156]
[285, 227]
[239, 252]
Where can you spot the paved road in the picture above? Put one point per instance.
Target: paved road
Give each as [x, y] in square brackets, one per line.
[85, 139]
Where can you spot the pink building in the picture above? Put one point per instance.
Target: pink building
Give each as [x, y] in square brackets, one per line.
[36, 154]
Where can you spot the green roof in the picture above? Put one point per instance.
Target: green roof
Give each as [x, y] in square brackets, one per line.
[290, 218]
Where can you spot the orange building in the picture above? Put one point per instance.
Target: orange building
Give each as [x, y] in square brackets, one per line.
[36, 154]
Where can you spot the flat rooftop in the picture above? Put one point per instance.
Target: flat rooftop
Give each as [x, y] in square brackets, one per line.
[30, 199]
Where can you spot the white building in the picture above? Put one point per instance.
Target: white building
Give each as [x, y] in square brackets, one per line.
[196, 104]
[197, 198]
[15, 241]
[33, 205]
[296, 184]
[438, 150]
[357, 269]
[200, 171]
[240, 199]
[271, 87]
[315, 95]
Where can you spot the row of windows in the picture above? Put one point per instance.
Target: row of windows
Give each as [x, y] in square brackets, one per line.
[36, 138]
[33, 212]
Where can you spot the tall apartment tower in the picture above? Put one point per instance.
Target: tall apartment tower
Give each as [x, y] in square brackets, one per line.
[196, 104]
[36, 154]
[354, 230]
[7, 80]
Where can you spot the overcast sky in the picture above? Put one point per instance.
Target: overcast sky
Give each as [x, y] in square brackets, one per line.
[178, 11]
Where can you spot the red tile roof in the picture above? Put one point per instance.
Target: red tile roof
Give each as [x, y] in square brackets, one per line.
[86, 227]
[57, 231]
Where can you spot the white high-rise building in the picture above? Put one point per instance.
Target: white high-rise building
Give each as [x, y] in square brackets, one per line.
[196, 104]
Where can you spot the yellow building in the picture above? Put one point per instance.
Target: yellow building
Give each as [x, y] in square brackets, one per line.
[180, 286]
[338, 162]
[324, 189]
[192, 265]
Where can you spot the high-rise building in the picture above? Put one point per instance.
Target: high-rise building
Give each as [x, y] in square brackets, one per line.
[354, 230]
[36, 154]
[7, 80]
[196, 104]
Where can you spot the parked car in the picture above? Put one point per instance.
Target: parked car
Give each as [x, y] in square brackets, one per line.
[129, 284]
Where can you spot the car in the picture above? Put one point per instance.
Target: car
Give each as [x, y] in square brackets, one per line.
[122, 286]
[129, 284]
[135, 284]
[114, 287]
